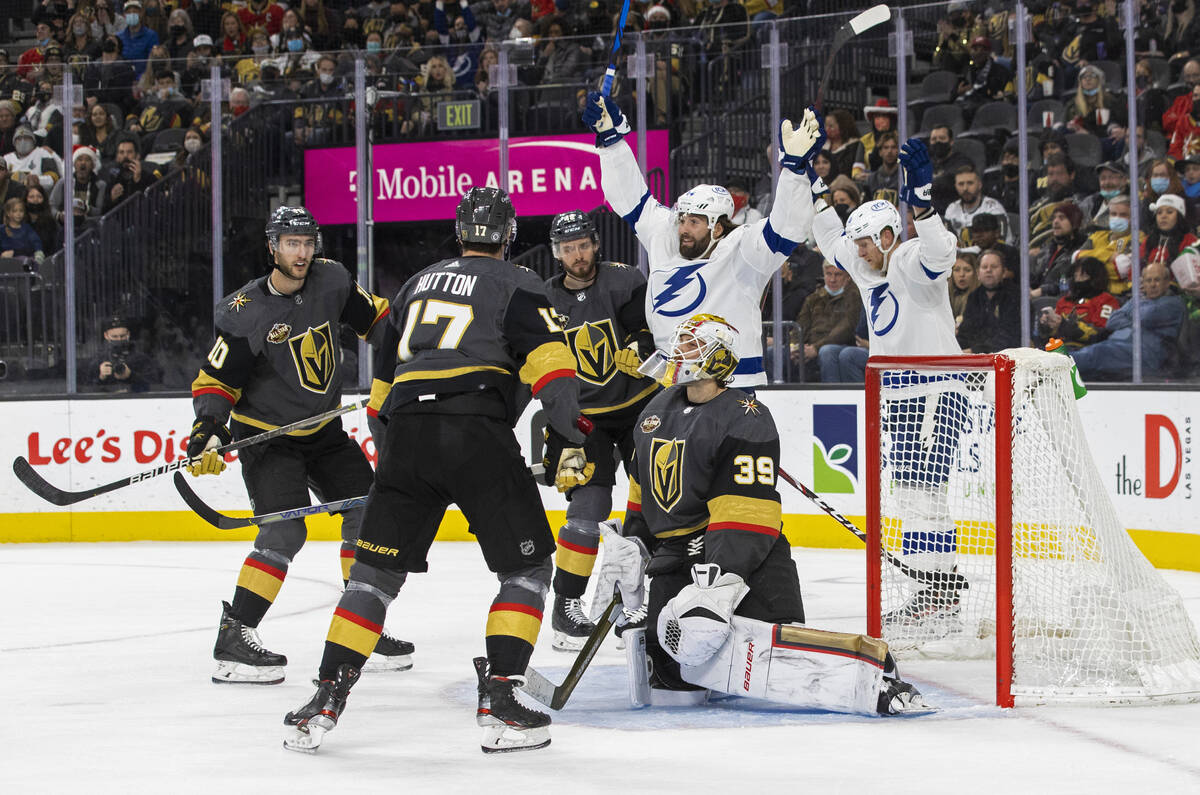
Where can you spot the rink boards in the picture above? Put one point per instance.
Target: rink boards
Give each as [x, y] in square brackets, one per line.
[1142, 442]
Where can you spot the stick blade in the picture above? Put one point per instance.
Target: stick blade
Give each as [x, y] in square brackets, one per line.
[875, 15]
[42, 487]
[202, 509]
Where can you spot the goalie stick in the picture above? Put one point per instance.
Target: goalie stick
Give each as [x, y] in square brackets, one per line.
[52, 494]
[875, 15]
[942, 578]
[555, 696]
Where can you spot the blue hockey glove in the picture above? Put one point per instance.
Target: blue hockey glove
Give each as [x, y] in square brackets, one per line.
[605, 118]
[917, 190]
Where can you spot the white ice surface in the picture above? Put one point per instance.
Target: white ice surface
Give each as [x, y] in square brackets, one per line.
[105, 658]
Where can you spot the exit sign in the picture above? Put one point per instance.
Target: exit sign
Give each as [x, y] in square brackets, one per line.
[458, 115]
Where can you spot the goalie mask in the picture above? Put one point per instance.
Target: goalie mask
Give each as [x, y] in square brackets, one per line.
[870, 220]
[486, 215]
[711, 201]
[701, 347]
[293, 221]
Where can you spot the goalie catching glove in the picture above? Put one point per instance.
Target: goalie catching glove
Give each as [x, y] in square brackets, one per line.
[604, 117]
[694, 624]
[208, 433]
[623, 568]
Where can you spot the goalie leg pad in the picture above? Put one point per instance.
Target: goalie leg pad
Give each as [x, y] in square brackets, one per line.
[793, 664]
[638, 665]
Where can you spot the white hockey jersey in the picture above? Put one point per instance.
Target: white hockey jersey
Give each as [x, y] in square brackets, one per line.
[908, 310]
[728, 282]
[42, 162]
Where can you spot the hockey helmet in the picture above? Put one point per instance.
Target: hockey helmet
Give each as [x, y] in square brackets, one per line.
[872, 218]
[485, 215]
[703, 346]
[711, 201]
[571, 225]
[293, 221]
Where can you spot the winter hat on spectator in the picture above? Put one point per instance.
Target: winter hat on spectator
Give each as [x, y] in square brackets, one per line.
[657, 14]
[1182, 164]
[1072, 212]
[87, 151]
[131, 4]
[1169, 200]
[1092, 70]
[25, 131]
[202, 40]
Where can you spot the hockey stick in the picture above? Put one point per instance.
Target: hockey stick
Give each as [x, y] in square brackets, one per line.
[611, 72]
[555, 696]
[943, 578]
[226, 522]
[52, 494]
[875, 15]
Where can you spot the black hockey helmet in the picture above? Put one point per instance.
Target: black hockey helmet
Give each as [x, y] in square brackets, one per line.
[293, 221]
[485, 215]
[572, 225]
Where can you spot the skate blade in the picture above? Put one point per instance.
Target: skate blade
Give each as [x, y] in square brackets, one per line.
[379, 663]
[565, 642]
[306, 739]
[906, 708]
[231, 673]
[506, 739]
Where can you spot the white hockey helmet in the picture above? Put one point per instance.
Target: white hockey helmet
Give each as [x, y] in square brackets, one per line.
[872, 218]
[711, 201]
[703, 346]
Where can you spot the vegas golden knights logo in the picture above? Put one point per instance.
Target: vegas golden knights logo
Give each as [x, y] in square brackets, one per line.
[594, 345]
[315, 354]
[666, 461]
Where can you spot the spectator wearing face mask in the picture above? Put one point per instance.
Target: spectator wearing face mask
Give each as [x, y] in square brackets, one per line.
[828, 317]
[844, 196]
[179, 37]
[39, 215]
[743, 213]
[81, 41]
[462, 32]
[1080, 316]
[89, 190]
[36, 54]
[136, 40]
[33, 164]
[1111, 245]
[45, 117]
[188, 154]
[111, 79]
[497, 17]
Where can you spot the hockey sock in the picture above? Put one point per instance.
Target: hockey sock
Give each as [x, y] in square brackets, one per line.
[578, 543]
[354, 630]
[513, 624]
[258, 584]
[347, 559]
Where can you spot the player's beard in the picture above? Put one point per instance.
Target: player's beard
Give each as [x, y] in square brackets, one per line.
[694, 248]
[582, 270]
[297, 271]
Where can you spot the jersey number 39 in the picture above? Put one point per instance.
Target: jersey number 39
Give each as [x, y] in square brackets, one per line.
[750, 469]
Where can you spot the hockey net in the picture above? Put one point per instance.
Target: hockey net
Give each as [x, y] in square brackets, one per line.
[981, 483]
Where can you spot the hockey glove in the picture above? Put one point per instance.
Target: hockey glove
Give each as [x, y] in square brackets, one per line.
[207, 435]
[628, 361]
[605, 118]
[799, 145]
[917, 190]
[623, 567]
[573, 469]
[694, 624]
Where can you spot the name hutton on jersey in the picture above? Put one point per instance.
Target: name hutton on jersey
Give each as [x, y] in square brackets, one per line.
[452, 283]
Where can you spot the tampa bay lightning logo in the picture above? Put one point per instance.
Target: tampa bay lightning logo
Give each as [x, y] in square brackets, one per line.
[679, 283]
[885, 309]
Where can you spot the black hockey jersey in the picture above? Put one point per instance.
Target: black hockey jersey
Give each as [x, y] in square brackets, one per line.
[708, 469]
[600, 319]
[276, 357]
[476, 326]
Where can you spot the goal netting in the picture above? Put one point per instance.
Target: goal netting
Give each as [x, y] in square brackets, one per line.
[980, 481]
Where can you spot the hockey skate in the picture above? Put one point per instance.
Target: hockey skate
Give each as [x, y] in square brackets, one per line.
[897, 697]
[391, 654]
[240, 655]
[570, 624]
[508, 725]
[634, 619]
[307, 726]
[933, 606]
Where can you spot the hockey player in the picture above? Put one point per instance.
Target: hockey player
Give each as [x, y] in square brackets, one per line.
[903, 288]
[603, 309]
[699, 261]
[725, 607]
[275, 361]
[466, 334]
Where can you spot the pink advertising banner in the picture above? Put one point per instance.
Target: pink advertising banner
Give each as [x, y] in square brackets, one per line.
[424, 181]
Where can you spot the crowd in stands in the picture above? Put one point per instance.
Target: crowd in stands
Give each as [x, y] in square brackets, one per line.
[143, 66]
[1081, 201]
